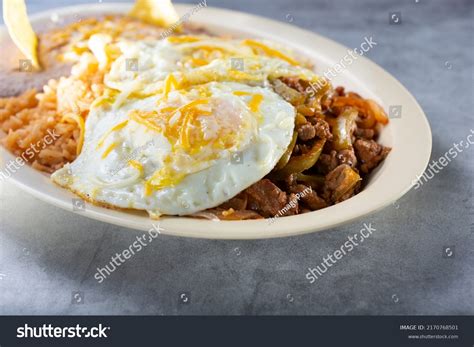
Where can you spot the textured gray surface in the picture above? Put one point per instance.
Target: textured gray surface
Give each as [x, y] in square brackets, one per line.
[46, 253]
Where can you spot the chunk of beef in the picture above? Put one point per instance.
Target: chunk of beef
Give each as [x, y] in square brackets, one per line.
[341, 183]
[292, 207]
[347, 156]
[328, 162]
[370, 154]
[309, 197]
[323, 131]
[266, 198]
[306, 131]
[315, 127]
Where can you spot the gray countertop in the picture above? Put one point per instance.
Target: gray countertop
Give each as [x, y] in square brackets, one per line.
[48, 257]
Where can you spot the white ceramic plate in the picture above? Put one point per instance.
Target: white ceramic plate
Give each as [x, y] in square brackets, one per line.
[409, 136]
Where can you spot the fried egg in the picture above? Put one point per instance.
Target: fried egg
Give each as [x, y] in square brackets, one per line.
[180, 152]
[145, 65]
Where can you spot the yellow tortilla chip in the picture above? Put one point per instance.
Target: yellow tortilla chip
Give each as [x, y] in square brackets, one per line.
[158, 12]
[20, 30]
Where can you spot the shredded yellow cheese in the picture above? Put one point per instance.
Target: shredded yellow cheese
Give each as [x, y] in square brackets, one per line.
[254, 103]
[183, 39]
[228, 212]
[199, 62]
[117, 127]
[271, 52]
[82, 128]
[137, 165]
[141, 117]
[170, 82]
[148, 188]
[241, 93]
[239, 75]
[165, 177]
[108, 150]
[178, 129]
